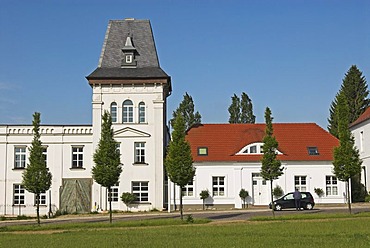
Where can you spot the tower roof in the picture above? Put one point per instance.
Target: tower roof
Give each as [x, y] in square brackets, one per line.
[123, 35]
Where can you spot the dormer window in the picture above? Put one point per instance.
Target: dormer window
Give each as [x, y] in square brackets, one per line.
[253, 149]
[129, 52]
[202, 151]
[312, 150]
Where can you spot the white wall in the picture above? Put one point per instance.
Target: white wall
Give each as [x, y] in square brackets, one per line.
[239, 175]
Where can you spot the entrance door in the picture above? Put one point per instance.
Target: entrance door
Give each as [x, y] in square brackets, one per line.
[75, 195]
[260, 190]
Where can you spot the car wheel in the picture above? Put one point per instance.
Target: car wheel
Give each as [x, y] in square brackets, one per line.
[309, 206]
[278, 207]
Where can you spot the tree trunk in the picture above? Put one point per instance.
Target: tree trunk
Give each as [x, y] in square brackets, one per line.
[38, 208]
[349, 198]
[272, 200]
[110, 203]
[181, 207]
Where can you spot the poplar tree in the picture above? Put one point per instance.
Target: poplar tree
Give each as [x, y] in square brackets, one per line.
[246, 109]
[241, 111]
[347, 161]
[179, 161]
[234, 109]
[36, 177]
[271, 166]
[108, 167]
[186, 109]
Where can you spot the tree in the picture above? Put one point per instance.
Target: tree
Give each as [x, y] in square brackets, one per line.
[108, 167]
[246, 109]
[36, 177]
[179, 161]
[271, 166]
[128, 198]
[241, 111]
[243, 194]
[204, 194]
[278, 192]
[347, 161]
[234, 110]
[186, 109]
[354, 88]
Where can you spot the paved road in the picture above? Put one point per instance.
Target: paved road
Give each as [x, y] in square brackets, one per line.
[226, 215]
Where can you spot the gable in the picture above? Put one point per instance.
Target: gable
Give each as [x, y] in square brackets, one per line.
[129, 132]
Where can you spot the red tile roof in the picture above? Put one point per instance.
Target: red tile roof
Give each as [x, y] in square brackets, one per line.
[365, 116]
[225, 140]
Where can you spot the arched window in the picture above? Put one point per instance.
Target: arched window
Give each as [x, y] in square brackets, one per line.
[141, 112]
[127, 112]
[113, 111]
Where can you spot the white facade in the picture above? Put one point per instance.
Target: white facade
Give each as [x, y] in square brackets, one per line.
[241, 175]
[361, 133]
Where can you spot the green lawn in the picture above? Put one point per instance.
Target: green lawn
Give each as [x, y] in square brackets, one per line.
[325, 231]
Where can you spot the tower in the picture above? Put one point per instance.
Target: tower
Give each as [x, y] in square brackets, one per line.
[130, 84]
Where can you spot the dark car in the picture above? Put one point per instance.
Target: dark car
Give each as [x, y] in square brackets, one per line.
[287, 201]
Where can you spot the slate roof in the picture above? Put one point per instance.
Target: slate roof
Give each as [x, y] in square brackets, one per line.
[364, 117]
[225, 140]
[111, 56]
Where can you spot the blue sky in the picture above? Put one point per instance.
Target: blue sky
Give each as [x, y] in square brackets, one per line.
[289, 55]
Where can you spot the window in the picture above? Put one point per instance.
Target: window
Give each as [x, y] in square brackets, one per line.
[300, 183]
[313, 150]
[113, 111]
[45, 153]
[128, 112]
[141, 112]
[188, 190]
[202, 151]
[77, 157]
[218, 186]
[42, 199]
[331, 185]
[139, 153]
[19, 157]
[18, 194]
[141, 190]
[253, 149]
[128, 59]
[115, 196]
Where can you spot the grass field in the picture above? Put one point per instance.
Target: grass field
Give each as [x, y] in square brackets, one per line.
[292, 231]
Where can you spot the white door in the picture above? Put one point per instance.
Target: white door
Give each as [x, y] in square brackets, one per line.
[260, 190]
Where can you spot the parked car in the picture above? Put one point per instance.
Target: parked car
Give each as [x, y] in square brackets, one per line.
[287, 201]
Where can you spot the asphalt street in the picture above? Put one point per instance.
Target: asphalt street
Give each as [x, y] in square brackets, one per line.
[215, 215]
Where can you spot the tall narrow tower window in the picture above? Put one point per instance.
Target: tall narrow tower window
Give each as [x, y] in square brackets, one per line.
[113, 111]
[141, 112]
[127, 112]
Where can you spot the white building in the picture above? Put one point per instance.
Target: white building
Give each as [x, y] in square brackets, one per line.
[361, 130]
[131, 85]
[227, 158]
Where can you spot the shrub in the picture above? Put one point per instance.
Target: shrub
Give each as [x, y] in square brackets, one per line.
[204, 194]
[243, 195]
[128, 198]
[189, 219]
[319, 192]
[277, 192]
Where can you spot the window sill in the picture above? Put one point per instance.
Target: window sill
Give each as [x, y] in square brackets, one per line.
[139, 163]
[19, 169]
[77, 168]
[142, 203]
[19, 206]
